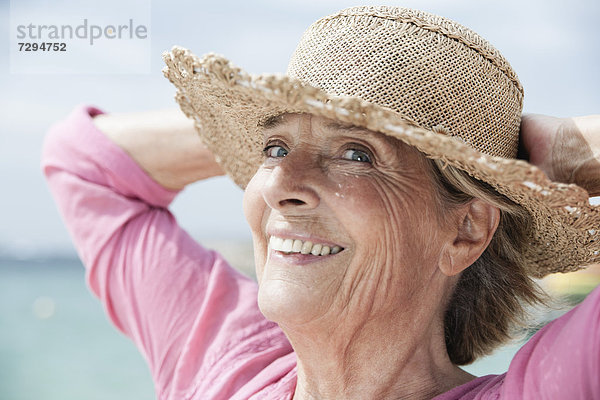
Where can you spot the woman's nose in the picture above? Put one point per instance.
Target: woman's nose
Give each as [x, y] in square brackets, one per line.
[292, 185]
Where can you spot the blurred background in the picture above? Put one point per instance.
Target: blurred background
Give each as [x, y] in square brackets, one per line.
[55, 341]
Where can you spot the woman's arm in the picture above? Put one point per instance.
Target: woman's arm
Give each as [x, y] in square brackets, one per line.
[562, 360]
[193, 317]
[566, 149]
[164, 143]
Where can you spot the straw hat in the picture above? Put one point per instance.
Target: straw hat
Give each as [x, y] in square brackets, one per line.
[418, 77]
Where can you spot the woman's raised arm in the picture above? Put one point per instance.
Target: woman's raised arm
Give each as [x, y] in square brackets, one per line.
[566, 149]
[192, 316]
[164, 143]
[567, 349]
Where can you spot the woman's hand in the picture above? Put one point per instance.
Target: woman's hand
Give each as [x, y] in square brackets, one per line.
[566, 149]
[164, 143]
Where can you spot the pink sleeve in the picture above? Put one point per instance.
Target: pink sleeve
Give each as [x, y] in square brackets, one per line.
[193, 317]
[562, 360]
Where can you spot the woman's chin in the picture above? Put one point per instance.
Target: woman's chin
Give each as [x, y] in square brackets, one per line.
[288, 303]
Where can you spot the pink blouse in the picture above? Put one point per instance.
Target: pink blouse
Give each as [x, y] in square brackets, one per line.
[196, 320]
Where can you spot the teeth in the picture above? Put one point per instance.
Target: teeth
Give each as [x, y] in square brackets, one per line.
[298, 246]
[276, 242]
[287, 245]
[306, 247]
[316, 250]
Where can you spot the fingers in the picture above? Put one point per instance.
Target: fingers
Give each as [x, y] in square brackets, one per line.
[537, 140]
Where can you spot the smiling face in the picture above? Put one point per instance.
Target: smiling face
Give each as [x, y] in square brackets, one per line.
[344, 223]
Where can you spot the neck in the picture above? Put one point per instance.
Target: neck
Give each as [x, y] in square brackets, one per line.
[374, 361]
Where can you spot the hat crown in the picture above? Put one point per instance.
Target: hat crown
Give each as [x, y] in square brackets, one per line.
[432, 71]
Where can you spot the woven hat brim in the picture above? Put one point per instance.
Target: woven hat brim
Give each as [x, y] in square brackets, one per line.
[228, 106]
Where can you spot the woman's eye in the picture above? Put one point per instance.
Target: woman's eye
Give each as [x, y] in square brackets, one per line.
[356, 155]
[275, 151]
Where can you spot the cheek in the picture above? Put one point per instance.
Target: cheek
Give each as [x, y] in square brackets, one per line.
[253, 202]
[394, 224]
[255, 212]
[382, 206]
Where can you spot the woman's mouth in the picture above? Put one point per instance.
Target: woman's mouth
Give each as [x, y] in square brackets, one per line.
[290, 246]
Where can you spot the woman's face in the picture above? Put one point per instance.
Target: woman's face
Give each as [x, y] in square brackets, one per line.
[364, 196]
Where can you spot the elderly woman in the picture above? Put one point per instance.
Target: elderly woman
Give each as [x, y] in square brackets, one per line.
[395, 234]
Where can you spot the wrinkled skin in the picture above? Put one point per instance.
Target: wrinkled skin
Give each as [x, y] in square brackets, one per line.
[382, 214]
[371, 195]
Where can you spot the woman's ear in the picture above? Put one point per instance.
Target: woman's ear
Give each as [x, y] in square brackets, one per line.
[475, 225]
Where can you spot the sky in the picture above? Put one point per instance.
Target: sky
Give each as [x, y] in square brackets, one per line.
[554, 46]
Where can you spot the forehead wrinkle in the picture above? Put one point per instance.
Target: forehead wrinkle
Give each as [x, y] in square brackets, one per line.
[337, 125]
[340, 126]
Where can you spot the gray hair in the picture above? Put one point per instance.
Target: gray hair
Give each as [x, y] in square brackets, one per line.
[490, 296]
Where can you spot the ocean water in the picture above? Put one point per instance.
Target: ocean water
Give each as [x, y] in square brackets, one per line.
[57, 343]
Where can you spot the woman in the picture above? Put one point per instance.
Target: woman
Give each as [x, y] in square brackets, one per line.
[382, 264]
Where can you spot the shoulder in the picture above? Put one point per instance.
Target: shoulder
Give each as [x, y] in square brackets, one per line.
[484, 387]
[565, 350]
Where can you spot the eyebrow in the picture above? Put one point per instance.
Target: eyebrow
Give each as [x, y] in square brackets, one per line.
[272, 121]
[388, 141]
[277, 120]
